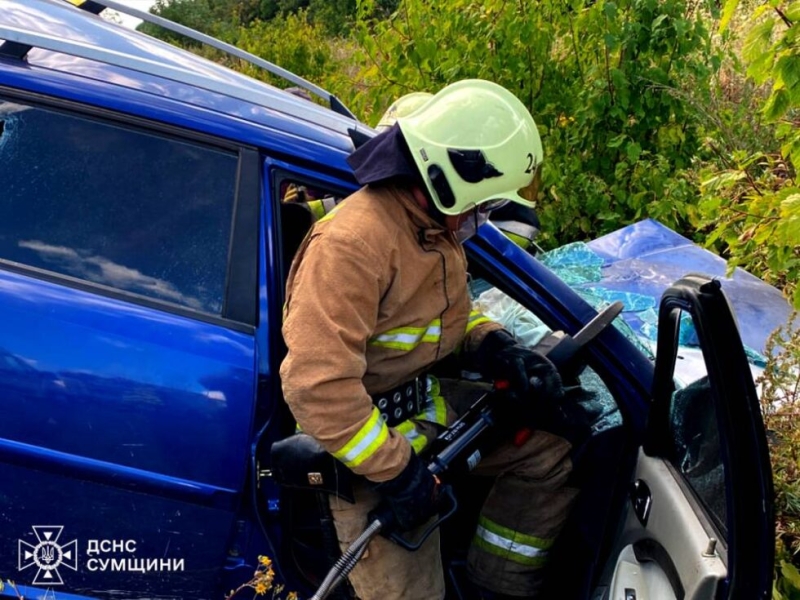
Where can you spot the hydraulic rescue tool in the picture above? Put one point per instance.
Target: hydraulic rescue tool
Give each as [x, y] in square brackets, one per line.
[299, 461]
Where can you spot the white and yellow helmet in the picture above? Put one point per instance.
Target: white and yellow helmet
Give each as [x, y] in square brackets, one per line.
[401, 107]
[475, 144]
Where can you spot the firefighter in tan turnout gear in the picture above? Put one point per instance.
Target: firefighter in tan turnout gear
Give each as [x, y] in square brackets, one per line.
[376, 297]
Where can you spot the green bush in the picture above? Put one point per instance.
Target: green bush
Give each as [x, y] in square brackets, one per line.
[604, 82]
[780, 398]
[219, 18]
[751, 200]
[293, 42]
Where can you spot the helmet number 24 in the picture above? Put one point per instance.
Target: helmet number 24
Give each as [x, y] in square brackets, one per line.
[530, 163]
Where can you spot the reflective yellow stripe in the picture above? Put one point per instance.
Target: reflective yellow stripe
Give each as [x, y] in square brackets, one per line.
[517, 231]
[520, 241]
[364, 443]
[408, 338]
[414, 437]
[434, 411]
[317, 209]
[512, 545]
[475, 319]
[435, 407]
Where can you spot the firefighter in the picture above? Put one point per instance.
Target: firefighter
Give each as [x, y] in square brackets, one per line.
[377, 297]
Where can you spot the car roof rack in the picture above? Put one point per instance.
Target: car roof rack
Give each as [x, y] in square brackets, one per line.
[97, 6]
[16, 42]
[14, 50]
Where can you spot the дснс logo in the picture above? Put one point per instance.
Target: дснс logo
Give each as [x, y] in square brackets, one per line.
[48, 555]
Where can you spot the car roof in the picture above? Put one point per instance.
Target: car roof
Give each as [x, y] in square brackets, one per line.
[77, 55]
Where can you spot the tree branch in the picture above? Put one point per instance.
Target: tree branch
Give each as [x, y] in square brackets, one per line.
[786, 20]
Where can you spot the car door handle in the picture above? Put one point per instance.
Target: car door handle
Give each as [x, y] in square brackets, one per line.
[642, 501]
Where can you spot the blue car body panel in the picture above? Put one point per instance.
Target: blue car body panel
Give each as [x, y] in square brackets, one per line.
[158, 109]
[122, 419]
[116, 367]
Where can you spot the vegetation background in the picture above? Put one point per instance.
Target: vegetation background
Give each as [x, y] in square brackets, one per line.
[685, 111]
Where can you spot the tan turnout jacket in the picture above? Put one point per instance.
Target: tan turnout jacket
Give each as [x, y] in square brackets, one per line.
[377, 294]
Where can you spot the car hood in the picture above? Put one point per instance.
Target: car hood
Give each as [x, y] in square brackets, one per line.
[645, 258]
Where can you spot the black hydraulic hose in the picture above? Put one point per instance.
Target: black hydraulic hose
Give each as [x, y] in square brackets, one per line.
[347, 561]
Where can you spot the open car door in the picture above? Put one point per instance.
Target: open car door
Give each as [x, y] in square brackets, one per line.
[699, 523]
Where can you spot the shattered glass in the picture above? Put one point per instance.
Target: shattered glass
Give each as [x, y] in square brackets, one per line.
[595, 406]
[580, 267]
[696, 451]
[94, 200]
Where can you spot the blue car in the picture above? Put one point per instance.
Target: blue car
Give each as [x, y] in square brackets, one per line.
[144, 246]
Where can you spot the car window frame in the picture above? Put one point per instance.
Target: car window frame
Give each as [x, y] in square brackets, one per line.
[240, 297]
[279, 172]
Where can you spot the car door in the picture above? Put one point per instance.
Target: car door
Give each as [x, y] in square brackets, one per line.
[127, 351]
[293, 198]
[699, 523]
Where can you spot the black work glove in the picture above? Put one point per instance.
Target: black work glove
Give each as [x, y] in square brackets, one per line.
[408, 500]
[500, 357]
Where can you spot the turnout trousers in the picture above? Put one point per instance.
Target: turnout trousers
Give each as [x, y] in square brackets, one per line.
[520, 519]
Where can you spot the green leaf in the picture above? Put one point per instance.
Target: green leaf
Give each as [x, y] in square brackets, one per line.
[792, 11]
[794, 99]
[727, 14]
[788, 69]
[788, 230]
[760, 68]
[659, 20]
[760, 10]
[723, 179]
[711, 205]
[633, 150]
[790, 206]
[758, 40]
[777, 105]
[713, 237]
[617, 141]
[789, 572]
[618, 78]
[791, 148]
[611, 41]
